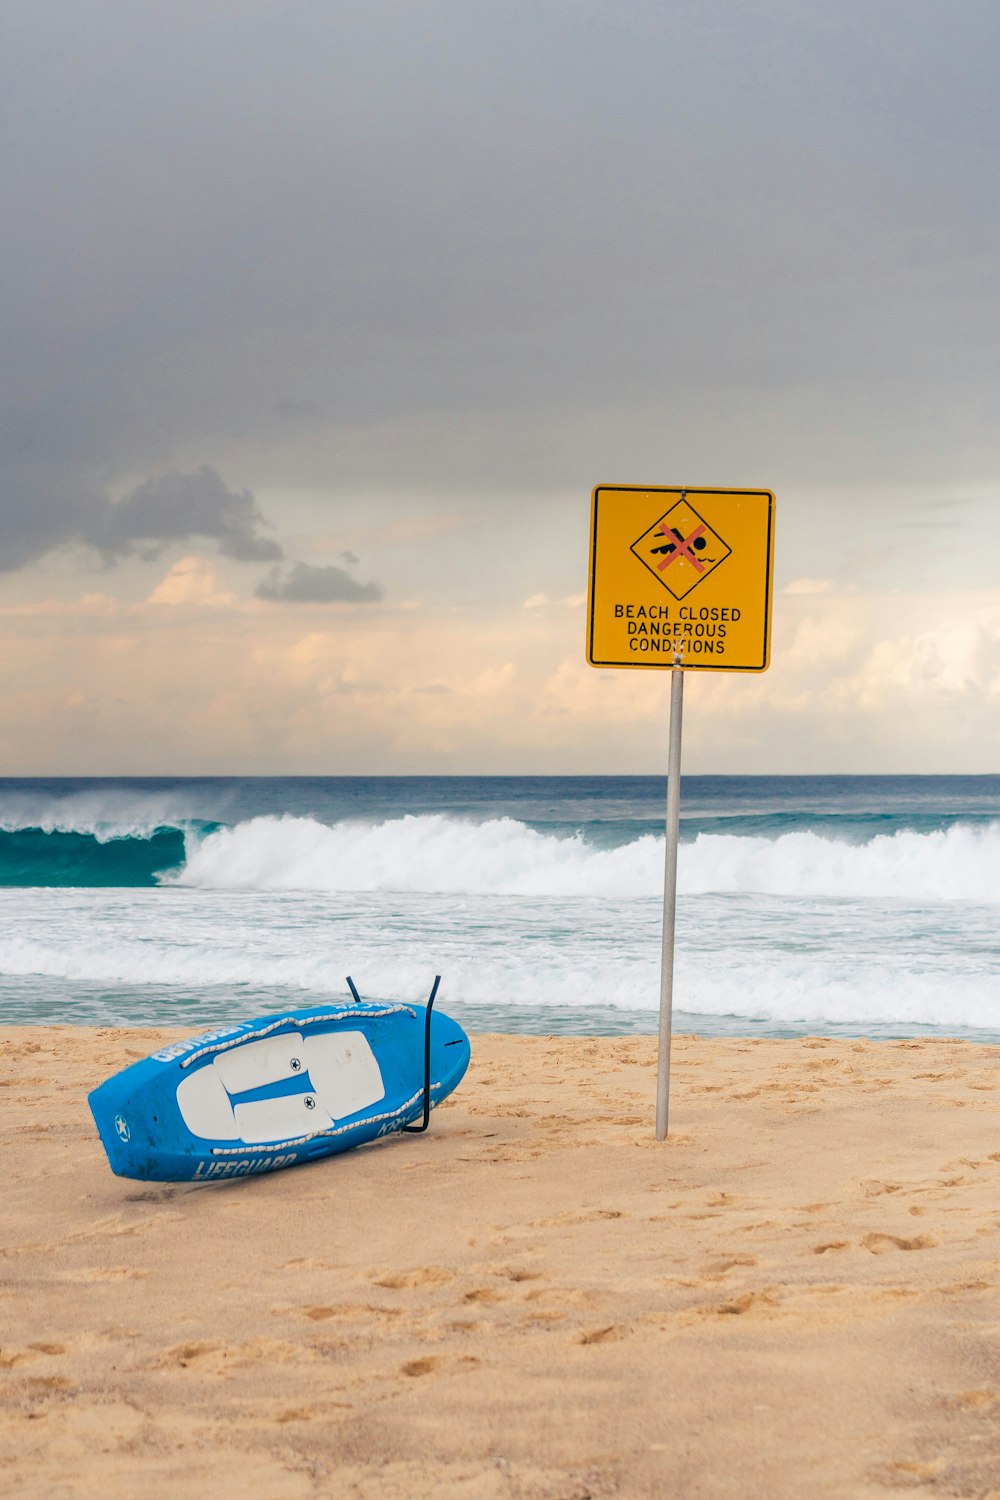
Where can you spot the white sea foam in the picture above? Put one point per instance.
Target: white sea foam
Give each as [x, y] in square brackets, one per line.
[587, 953]
[440, 854]
[961, 863]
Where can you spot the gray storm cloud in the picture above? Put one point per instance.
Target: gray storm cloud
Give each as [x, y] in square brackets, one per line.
[171, 508]
[177, 507]
[305, 584]
[488, 247]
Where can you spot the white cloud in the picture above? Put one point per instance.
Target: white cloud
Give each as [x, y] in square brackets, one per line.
[192, 580]
[945, 661]
[863, 683]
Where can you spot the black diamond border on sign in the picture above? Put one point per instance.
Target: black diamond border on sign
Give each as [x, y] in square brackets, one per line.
[681, 500]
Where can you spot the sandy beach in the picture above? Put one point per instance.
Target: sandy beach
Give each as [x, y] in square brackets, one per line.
[796, 1296]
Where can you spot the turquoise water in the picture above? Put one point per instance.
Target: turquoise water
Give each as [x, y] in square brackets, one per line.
[837, 905]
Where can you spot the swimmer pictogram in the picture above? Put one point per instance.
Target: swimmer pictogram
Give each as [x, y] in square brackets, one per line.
[680, 549]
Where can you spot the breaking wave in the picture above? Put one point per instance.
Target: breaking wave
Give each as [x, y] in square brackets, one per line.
[505, 857]
[439, 854]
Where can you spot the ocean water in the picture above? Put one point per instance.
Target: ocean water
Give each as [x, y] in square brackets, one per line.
[825, 905]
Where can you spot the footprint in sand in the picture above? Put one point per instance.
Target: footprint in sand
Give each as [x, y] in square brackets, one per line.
[904, 1470]
[345, 1310]
[971, 1398]
[419, 1276]
[762, 1301]
[873, 1188]
[11, 1357]
[212, 1357]
[878, 1244]
[607, 1335]
[718, 1268]
[183, 1355]
[580, 1216]
[749, 1301]
[428, 1363]
[564, 1296]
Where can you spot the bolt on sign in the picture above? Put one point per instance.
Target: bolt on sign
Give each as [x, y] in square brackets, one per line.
[680, 578]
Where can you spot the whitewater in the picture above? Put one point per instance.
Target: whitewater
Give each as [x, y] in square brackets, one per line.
[837, 905]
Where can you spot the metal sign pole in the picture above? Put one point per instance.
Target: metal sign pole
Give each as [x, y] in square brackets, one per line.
[669, 903]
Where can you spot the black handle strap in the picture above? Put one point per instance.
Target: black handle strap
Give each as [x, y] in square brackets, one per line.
[418, 1129]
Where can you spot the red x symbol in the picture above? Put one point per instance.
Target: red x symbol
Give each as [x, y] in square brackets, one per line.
[681, 549]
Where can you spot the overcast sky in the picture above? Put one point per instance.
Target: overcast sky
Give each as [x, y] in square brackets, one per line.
[321, 320]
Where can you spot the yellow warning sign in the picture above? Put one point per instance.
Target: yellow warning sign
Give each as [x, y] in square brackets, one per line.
[680, 578]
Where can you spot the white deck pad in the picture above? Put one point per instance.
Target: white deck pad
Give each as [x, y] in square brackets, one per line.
[344, 1071]
[280, 1119]
[205, 1106]
[258, 1063]
[339, 1072]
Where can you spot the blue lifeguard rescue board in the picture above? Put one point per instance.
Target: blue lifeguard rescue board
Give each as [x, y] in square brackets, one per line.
[277, 1091]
